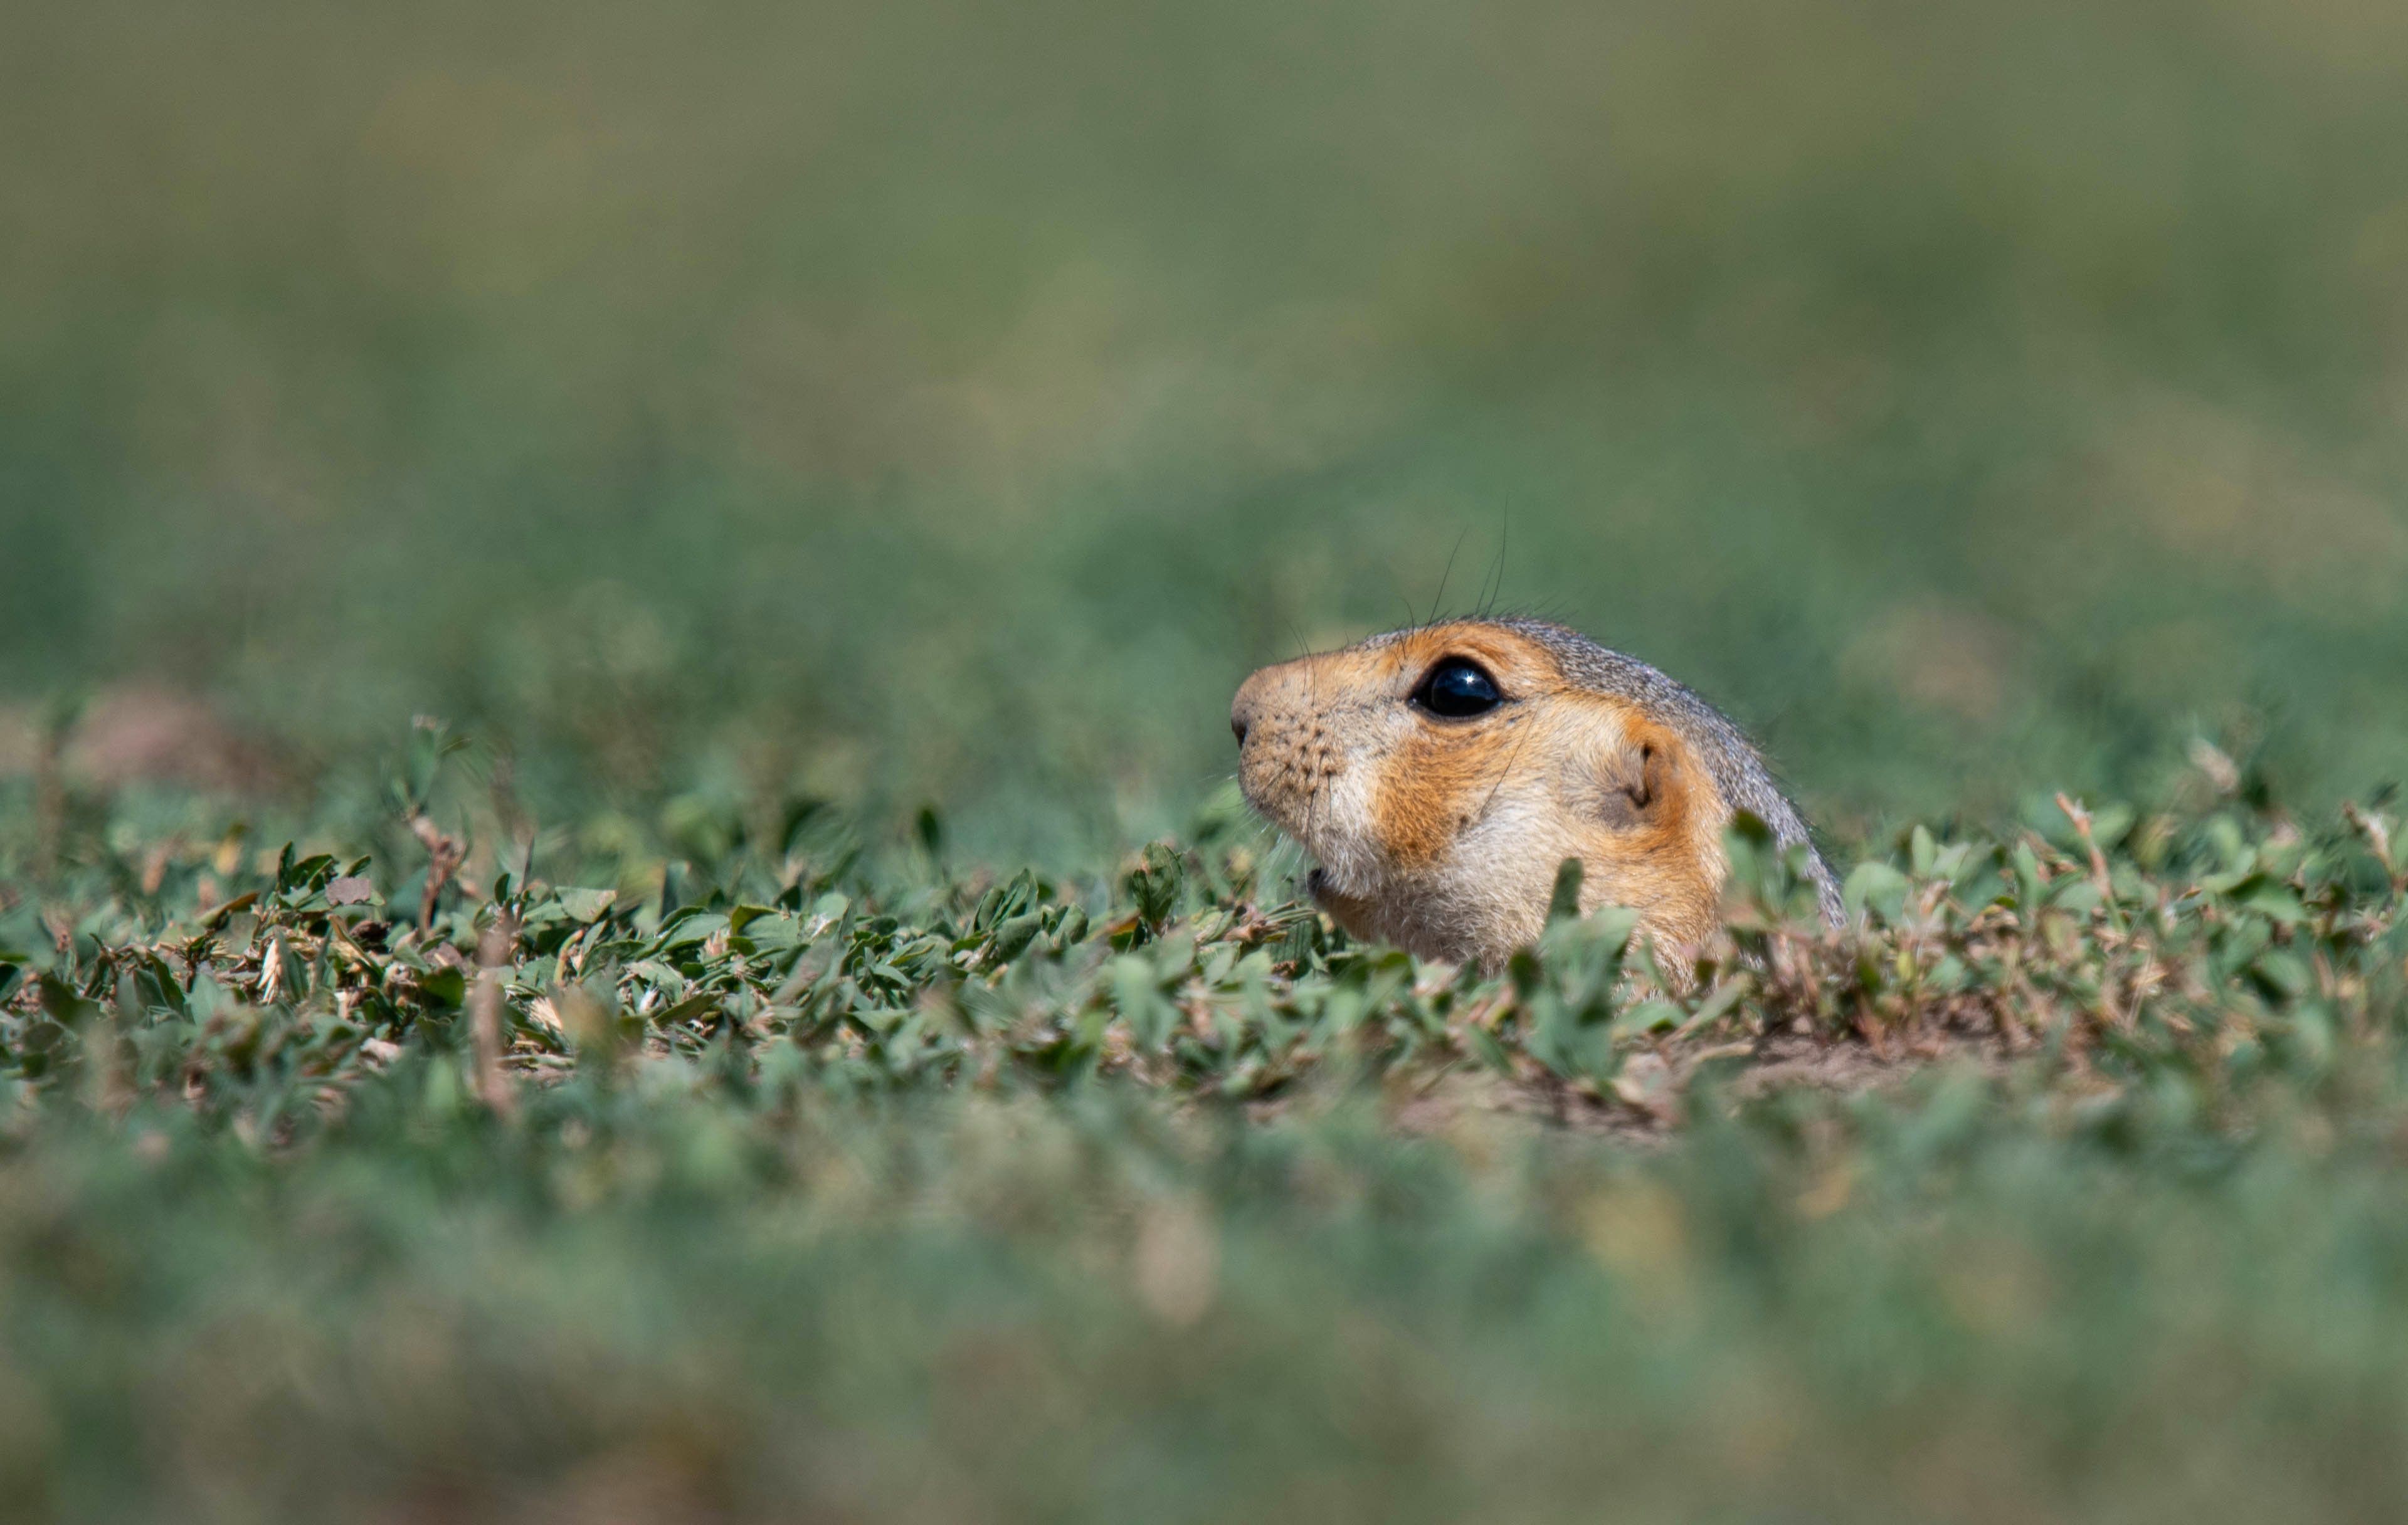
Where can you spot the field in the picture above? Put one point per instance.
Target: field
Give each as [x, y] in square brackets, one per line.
[619, 896]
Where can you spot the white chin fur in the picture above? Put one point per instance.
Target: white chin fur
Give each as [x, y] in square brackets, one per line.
[1338, 833]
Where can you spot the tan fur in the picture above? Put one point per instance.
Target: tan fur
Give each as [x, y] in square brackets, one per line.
[1444, 836]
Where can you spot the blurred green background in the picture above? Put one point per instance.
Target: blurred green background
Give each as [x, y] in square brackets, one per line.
[932, 400]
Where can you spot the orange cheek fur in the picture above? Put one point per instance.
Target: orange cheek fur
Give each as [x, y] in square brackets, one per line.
[1439, 779]
[1434, 787]
[1645, 817]
[1663, 858]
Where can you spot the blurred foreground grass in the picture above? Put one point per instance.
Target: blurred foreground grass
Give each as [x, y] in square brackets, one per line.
[351, 1179]
[675, 1305]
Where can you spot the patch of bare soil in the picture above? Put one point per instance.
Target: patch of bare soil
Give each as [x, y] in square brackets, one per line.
[143, 733]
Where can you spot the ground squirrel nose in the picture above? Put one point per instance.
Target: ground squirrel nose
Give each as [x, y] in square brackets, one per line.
[1242, 709]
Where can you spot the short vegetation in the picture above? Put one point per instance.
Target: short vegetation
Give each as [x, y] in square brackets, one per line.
[619, 893]
[339, 1175]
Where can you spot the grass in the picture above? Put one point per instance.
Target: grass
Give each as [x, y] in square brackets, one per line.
[672, 1305]
[2061, 1185]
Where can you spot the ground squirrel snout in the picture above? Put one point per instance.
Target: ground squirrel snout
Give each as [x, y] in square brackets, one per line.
[1440, 775]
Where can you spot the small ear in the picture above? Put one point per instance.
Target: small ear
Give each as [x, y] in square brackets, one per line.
[1632, 783]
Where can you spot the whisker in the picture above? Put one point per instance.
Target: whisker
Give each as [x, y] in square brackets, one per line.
[1511, 758]
[1497, 569]
[1439, 601]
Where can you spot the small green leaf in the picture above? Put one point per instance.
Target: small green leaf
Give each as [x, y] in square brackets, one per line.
[1648, 1016]
[2271, 897]
[1013, 937]
[1877, 887]
[445, 986]
[586, 904]
[1563, 901]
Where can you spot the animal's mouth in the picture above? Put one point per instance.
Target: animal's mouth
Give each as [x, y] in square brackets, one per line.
[1290, 814]
[1316, 884]
[1275, 794]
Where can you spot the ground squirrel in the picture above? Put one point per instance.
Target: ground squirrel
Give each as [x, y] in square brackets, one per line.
[1441, 774]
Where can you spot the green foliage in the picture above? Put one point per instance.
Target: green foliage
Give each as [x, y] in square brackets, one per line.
[848, 1188]
[2191, 951]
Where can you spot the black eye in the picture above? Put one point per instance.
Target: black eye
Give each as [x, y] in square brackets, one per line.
[1458, 690]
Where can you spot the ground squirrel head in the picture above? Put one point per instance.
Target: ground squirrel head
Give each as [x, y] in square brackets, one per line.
[1441, 774]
